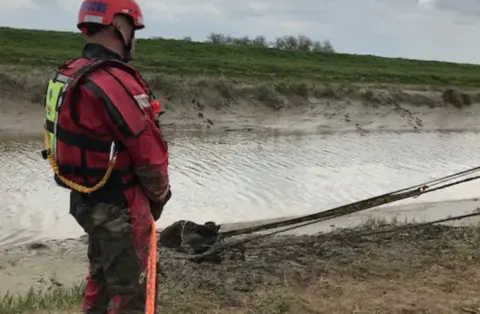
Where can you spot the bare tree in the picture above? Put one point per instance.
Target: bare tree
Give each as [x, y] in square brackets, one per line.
[260, 41]
[327, 47]
[244, 41]
[229, 40]
[304, 43]
[317, 47]
[290, 43]
[216, 38]
[280, 43]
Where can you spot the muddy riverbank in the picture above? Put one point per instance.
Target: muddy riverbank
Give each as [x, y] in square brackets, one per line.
[228, 105]
[30, 264]
[432, 269]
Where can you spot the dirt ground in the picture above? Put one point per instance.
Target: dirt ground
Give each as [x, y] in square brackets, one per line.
[432, 269]
[228, 105]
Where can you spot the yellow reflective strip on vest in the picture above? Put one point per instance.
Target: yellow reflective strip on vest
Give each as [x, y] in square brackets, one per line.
[53, 93]
[52, 98]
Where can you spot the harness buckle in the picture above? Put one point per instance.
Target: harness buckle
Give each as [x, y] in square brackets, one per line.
[45, 153]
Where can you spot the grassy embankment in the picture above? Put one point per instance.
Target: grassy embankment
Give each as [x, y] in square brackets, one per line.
[181, 71]
[46, 49]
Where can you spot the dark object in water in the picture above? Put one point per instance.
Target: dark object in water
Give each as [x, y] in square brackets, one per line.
[188, 237]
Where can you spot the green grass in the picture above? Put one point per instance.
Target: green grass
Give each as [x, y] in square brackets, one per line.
[57, 298]
[47, 49]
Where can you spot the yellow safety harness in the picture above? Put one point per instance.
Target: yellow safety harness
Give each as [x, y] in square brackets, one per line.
[69, 183]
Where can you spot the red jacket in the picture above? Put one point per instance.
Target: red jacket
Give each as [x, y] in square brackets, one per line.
[105, 101]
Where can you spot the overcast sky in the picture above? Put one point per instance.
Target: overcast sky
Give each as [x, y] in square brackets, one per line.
[422, 29]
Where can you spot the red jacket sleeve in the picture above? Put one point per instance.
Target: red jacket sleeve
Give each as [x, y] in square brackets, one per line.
[136, 131]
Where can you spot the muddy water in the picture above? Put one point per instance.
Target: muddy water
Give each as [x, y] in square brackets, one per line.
[237, 177]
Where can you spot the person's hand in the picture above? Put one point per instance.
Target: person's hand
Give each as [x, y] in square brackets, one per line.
[157, 118]
[157, 208]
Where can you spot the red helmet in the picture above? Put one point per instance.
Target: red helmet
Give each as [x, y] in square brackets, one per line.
[103, 11]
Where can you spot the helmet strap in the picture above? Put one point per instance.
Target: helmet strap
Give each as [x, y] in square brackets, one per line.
[127, 47]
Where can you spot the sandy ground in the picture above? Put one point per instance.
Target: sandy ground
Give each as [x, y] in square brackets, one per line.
[228, 106]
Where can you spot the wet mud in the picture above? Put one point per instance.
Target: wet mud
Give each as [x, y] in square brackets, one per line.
[432, 269]
[229, 105]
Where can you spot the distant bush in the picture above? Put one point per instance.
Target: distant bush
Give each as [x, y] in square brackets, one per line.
[289, 43]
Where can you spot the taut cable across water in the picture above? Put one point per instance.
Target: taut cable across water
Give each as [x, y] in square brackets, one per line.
[409, 192]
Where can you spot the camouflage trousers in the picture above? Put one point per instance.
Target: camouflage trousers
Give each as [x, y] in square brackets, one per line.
[117, 253]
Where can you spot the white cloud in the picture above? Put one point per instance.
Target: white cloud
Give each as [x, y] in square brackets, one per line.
[425, 29]
[463, 7]
[426, 3]
[18, 4]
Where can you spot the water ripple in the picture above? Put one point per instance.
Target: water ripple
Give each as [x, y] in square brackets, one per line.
[233, 177]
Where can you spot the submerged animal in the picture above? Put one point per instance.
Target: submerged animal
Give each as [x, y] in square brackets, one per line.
[188, 237]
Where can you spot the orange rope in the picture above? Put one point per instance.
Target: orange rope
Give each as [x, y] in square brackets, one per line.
[152, 272]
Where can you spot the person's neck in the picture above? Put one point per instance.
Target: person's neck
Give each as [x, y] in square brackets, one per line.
[109, 44]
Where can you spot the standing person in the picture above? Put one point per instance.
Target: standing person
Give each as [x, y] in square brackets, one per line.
[102, 143]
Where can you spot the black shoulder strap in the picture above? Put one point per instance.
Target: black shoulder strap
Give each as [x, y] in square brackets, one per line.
[81, 79]
[113, 112]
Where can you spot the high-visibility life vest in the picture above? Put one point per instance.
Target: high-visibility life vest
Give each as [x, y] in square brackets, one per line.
[80, 160]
